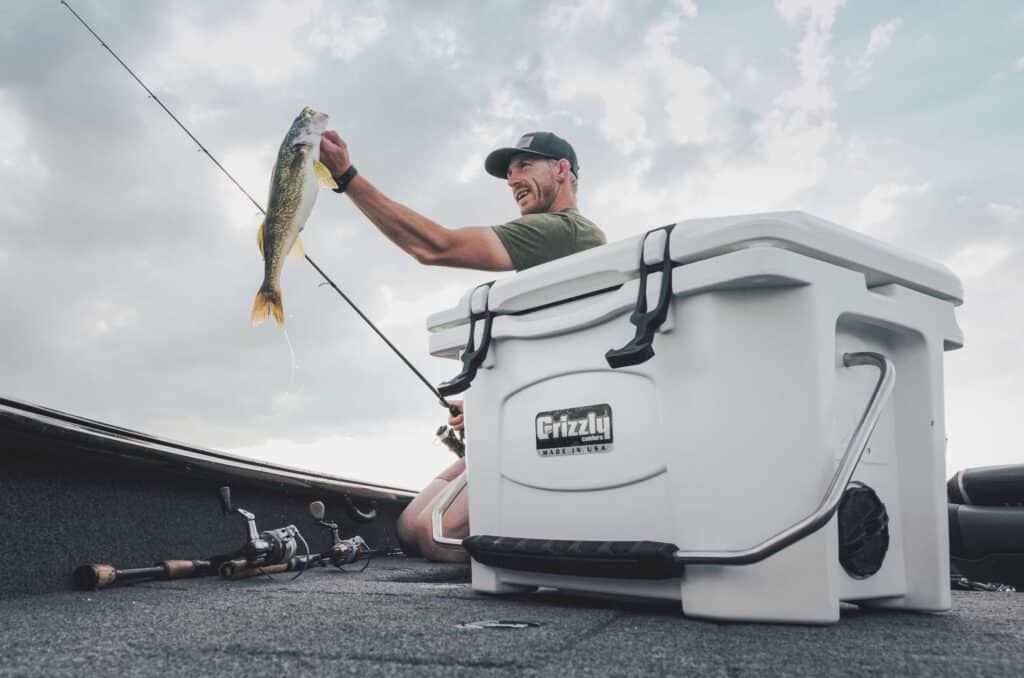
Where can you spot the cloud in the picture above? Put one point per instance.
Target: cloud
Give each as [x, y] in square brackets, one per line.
[814, 58]
[791, 141]
[511, 109]
[978, 259]
[406, 311]
[400, 454]
[796, 133]
[1019, 66]
[1009, 217]
[439, 41]
[687, 7]
[17, 156]
[879, 41]
[12, 141]
[683, 147]
[877, 207]
[817, 10]
[572, 15]
[347, 35]
[134, 263]
[265, 45]
[653, 84]
[695, 101]
[249, 164]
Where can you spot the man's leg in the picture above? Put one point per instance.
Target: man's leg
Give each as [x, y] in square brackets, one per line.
[415, 532]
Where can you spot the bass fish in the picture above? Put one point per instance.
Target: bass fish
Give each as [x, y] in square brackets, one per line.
[293, 189]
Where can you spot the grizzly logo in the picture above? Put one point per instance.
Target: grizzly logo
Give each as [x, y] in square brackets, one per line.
[575, 430]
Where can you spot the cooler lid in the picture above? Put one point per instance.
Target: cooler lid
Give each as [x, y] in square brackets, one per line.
[592, 270]
[611, 265]
[881, 264]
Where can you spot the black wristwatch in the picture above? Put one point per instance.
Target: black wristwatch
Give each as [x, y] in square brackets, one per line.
[344, 178]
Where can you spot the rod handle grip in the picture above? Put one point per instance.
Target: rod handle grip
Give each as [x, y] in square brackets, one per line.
[93, 577]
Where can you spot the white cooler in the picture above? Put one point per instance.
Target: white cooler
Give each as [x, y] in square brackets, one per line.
[749, 422]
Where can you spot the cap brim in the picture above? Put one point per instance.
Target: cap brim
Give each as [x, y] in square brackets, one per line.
[497, 162]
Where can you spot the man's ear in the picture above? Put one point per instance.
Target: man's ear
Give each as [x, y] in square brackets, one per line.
[563, 168]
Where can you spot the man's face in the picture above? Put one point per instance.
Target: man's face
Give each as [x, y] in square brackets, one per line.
[533, 183]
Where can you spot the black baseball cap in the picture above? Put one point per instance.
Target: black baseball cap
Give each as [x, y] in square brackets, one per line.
[541, 144]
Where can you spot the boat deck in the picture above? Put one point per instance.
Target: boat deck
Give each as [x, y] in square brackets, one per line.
[403, 616]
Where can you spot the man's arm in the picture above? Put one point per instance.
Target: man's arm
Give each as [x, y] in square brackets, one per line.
[429, 242]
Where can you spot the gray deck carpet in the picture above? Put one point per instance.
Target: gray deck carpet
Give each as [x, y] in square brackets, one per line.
[403, 616]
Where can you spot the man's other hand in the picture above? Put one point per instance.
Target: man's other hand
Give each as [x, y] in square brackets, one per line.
[334, 152]
[456, 420]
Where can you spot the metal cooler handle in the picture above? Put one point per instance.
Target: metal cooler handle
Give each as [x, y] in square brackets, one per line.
[848, 464]
[445, 500]
[854, 450]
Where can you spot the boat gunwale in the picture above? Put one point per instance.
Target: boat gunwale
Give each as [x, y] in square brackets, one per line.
[138, 447]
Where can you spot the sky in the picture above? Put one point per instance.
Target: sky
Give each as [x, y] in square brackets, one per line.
[128, 262]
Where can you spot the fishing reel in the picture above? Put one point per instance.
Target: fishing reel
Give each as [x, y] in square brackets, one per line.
[269, 547]
[448, 437]
[342, 551]
[345, 551]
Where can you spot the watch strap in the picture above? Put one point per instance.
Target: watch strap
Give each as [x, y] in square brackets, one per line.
[345, 178]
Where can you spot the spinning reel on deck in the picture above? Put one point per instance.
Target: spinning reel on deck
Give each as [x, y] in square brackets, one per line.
[269, 548]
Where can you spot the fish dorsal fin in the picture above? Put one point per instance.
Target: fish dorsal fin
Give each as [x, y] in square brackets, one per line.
[297, 251]
[259, 238]
[324, 175]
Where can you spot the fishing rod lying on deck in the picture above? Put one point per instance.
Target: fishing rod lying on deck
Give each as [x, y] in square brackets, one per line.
[263, 553]
[445, 435]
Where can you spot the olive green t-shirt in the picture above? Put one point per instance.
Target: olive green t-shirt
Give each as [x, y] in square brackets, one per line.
[535, 239]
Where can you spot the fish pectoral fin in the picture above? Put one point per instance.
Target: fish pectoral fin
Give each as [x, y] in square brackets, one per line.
[259, 238]
[324, 175]
[297, 251]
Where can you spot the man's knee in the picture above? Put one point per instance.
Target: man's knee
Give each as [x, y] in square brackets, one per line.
[424, 530]
[415, 529]
[408, 531]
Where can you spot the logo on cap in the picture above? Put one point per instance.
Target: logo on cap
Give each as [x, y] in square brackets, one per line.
[525, 141]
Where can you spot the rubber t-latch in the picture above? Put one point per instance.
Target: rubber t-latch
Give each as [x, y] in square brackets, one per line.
[472, 357]
[640, 348]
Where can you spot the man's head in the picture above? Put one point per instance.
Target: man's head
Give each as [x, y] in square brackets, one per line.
[541, 169]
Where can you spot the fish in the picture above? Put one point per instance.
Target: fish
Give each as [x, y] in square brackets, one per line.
[294, 183]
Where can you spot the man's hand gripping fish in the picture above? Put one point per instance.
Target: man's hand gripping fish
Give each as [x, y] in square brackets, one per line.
[293, 189]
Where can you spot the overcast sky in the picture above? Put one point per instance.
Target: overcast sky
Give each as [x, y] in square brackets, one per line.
[128, 263]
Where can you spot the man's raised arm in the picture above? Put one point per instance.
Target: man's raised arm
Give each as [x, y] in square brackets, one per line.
[429, 242]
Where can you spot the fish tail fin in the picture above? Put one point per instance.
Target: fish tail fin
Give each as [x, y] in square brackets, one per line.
[268, 302]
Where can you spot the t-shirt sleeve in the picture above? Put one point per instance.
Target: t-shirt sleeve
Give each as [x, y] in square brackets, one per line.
[535, 239]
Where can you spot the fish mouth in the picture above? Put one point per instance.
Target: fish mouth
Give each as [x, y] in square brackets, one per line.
[309, 112]
[308, 127]
[316, 119]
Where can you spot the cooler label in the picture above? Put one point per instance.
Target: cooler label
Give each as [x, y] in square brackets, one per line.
[575, 430]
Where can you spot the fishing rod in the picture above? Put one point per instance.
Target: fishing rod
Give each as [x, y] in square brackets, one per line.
[263, 553]
[433, 389]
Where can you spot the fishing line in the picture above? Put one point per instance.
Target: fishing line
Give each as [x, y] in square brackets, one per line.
[291, 352]
[154, 97]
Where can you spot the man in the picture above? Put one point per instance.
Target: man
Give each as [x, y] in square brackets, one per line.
[542, 171]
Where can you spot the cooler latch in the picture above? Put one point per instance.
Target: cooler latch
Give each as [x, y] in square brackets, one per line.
[472, 357]
[639, 349]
